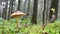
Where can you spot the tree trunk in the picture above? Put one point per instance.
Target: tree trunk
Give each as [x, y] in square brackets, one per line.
[10, 9]
[28, 8]
[24, 7]
[18, 5]
[5, 10]
[34, 15]
[46, 12]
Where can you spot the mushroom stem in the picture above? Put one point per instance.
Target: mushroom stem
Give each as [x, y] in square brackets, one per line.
[17, 22]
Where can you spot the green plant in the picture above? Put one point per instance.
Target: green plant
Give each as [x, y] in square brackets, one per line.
[10, 27]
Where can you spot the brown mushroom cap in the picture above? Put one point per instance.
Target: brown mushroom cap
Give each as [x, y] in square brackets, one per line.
[17, 14]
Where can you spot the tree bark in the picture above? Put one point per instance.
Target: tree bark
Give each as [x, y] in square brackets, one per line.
[5, 10]
[28, 8]
[18, 5]
[46, 12]
[24, 6]
[34, 15]
[10, 9]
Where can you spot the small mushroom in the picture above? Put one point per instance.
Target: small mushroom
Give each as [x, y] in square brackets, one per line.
[17, 15]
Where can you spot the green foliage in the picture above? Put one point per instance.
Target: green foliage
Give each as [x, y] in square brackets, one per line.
[26, 20]
[53, 28]
[9, 27]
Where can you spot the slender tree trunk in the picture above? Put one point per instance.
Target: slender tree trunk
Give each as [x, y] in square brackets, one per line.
[10, 9]
[34, 15]
[0, 9]
[18, 5]
[46, 13]
[5, 10]
[24, 5]
[28, 8]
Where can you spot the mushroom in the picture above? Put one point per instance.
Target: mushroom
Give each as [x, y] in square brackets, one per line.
[17, 15]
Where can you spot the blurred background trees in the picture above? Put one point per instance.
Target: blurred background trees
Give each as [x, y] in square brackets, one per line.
[38, 10]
